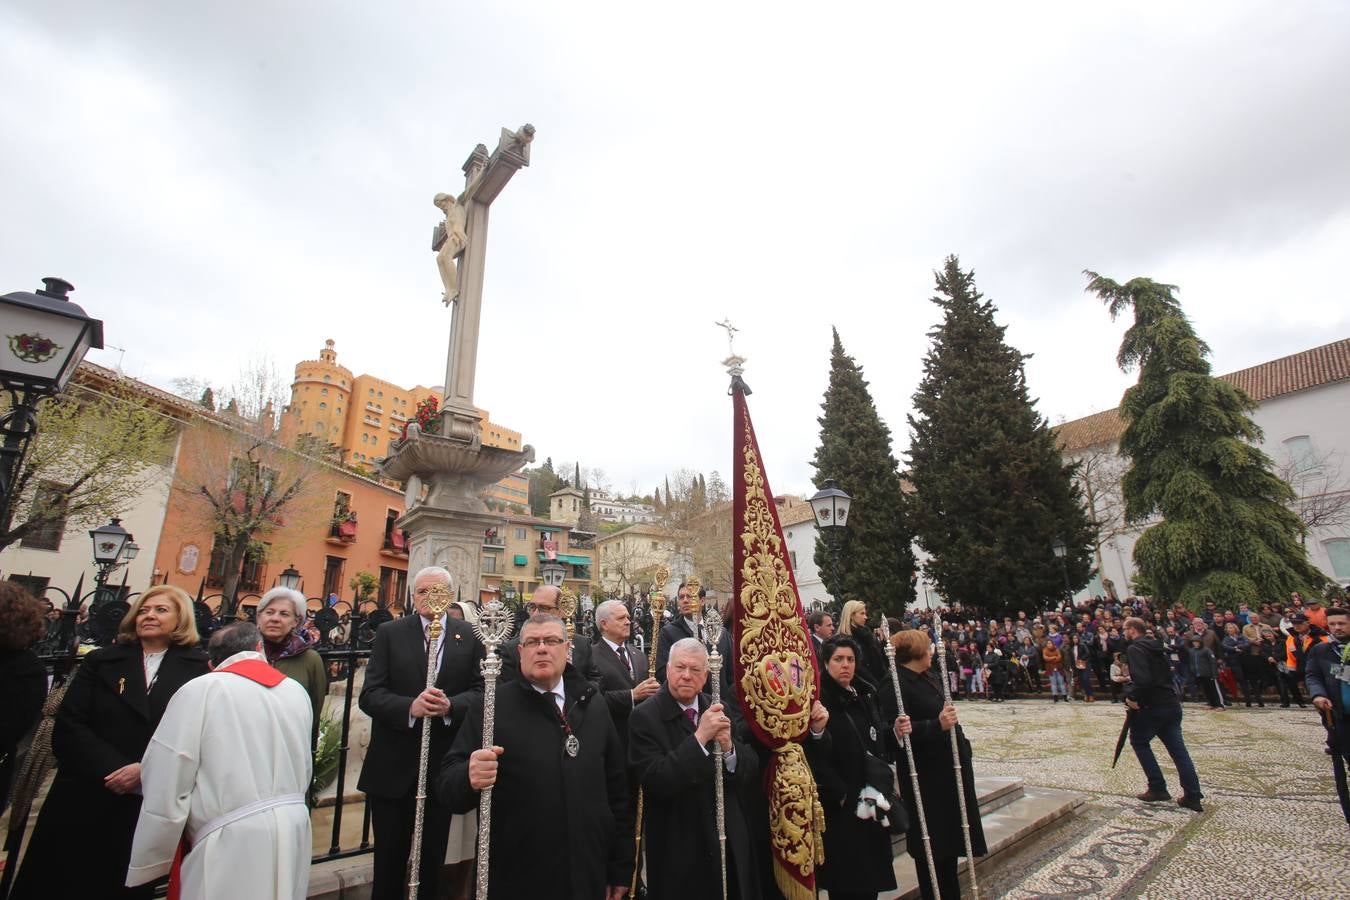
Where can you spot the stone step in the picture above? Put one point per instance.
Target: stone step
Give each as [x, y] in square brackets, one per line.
[1010, 815]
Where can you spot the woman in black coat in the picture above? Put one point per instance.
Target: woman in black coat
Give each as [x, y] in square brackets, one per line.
[82, 841]
[853, 623]
[931, 721]
[858, 857]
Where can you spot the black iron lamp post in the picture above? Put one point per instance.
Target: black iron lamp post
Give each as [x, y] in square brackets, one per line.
[830, 505]
[1062, 554]
[43, 338]
[113, 546]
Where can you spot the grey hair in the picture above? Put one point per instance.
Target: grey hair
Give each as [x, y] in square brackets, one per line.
[545, 619]
[689, 645]
[296, 599]
[606, 610]
[435, 570]
[232, 639]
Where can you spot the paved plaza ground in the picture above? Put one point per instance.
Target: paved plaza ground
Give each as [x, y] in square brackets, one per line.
[1271, 827]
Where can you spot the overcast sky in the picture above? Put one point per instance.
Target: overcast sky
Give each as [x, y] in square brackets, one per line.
[232, 180]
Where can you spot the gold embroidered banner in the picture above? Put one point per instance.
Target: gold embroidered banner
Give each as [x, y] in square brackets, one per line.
[774, 664]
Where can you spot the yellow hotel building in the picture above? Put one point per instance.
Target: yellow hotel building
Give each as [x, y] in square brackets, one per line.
[363, 414]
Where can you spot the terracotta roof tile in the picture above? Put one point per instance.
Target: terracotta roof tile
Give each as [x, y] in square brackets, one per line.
[1287, 375]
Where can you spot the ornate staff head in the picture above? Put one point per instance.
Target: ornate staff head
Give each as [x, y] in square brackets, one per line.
[889, 648]
[712, 629]
[494, 625]
[656, 597]
[439, 598]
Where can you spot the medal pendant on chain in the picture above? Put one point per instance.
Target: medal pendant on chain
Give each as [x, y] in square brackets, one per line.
[572, 745]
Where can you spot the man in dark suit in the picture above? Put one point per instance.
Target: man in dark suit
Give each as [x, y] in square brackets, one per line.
[622, 667]
[687, 623]
[562, 825]
[669, 738]
[399, 704]
[822, 628]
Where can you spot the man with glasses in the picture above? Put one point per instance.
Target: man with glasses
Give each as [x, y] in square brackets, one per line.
[400, 704]
[562, 825]
[544, 602]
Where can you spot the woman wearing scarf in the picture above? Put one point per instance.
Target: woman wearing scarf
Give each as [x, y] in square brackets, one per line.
[281, 619]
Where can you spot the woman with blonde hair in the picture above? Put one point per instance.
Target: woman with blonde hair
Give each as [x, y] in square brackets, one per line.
[931, 720]
[110, 711]
[853, 623]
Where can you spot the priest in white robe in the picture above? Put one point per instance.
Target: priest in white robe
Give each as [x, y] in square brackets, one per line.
[226, 774]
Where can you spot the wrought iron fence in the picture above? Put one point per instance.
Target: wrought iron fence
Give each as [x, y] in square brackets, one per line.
[343, 632]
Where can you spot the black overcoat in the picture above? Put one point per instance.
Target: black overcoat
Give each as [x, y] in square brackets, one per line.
[396, 674]
[23, 688]
[858, 856]
[937, 778]
[561, 827]
[679, 804]
[105, 722]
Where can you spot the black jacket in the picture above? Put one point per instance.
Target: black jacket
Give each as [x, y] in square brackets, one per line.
[561, 826]
[937, 778]
[677, 630]
[104, 723]
[1320, 683]
[616, 684]
[23, 687]
[679, 804]
[1150, 681]
[397, 673]
[858, 856]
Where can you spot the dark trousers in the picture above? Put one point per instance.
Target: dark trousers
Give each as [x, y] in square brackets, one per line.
[1250, 679]
[392, 821]
[949, 885]
[1163, 722]
[1338, 742]
[1289, 682]
[1211, 688]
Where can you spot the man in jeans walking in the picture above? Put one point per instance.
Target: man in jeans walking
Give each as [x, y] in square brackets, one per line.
[1156, 712]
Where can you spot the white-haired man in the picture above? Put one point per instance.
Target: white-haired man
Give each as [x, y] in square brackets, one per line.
[669, 739]
[622, 667]
[398, 702]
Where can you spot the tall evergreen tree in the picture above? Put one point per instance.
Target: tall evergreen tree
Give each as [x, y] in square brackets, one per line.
[208, 399]
[875, 556]
[992, 493]
[1227, 532]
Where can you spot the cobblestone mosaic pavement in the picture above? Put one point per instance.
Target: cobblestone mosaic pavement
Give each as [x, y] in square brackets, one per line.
[1271, 827]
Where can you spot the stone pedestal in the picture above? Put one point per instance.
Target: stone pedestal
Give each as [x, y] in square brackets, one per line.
[447, 526]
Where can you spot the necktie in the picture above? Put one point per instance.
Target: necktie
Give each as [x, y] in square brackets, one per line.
[692, 716]
[623, 656]
[557, 700]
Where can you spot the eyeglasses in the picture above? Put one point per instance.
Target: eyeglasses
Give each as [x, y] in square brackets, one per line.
[533, 607]
[531, 643]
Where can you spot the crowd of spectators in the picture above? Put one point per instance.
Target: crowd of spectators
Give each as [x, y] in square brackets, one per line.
[1077, 652]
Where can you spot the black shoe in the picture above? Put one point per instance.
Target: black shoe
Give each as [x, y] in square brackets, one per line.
[1192, 803]
[1155, 796]
[1284, 706]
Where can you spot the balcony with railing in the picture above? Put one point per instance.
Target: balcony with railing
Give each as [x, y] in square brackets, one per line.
[396, 543]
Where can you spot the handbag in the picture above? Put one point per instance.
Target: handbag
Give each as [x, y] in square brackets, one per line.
[880, 776]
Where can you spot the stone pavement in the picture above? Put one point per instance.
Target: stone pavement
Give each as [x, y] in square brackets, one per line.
[1271, 827]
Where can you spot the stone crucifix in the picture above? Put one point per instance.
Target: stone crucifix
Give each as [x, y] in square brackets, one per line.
[460, 243]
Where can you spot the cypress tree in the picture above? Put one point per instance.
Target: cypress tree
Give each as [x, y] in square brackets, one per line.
[992, 493]
[876, 560]
[1227, 532]
[208, 399]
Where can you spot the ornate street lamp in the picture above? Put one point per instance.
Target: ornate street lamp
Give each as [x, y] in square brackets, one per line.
[830, 506]
[111, 545]
[1062, 553]
[551, 572]
[43, 338]
[290, 577]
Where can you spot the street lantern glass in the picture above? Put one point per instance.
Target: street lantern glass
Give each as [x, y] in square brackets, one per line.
[1060, 549]
[830, 506]
[290, 577]
[109, 541]
[130, 551]
[551, 572]
[46, 336]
